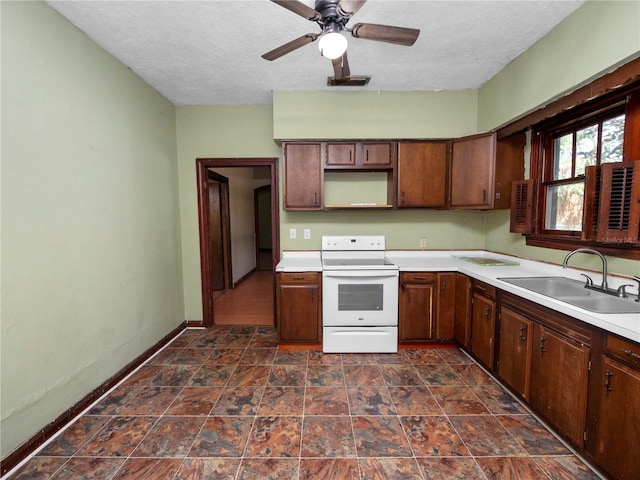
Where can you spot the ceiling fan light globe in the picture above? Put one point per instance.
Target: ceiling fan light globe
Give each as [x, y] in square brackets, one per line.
[332, 45]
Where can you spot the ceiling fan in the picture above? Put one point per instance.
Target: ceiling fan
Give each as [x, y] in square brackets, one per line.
[332, 16]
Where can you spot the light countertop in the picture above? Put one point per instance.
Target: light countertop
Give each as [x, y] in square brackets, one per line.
[626, 325]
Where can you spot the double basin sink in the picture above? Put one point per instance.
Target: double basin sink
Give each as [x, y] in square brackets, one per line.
[574, 292]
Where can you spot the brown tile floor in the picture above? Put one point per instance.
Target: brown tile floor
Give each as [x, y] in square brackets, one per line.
[226, 403]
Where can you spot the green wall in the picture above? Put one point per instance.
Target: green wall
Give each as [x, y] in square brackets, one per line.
[597, 38]
[90, 242]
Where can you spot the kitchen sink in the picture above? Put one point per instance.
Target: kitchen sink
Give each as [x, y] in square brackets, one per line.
[573, 292]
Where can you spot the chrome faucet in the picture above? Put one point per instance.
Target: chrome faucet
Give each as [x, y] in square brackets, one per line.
[604, 287]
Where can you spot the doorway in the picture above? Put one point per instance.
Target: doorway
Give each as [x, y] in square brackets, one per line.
[211, 188]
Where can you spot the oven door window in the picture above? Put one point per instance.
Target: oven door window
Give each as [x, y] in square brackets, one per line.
[360, 297]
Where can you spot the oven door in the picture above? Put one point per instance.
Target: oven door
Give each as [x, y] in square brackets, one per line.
[360, 298]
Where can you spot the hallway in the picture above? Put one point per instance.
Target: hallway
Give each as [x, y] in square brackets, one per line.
[250, 303]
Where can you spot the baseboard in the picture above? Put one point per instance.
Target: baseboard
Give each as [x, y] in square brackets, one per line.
[243, 278]
[24, 450]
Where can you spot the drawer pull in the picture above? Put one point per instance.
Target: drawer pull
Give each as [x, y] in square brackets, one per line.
[298, 278]
[523, 329]
[633, 355]
[607, 381]
[542, 340]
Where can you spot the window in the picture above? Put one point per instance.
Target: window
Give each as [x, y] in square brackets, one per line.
[567, 152]
[569, 202]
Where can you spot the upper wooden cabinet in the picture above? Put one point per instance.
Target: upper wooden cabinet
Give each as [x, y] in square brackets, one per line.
[360, 155]
[482, 170]
[422, 174]
[303, 178]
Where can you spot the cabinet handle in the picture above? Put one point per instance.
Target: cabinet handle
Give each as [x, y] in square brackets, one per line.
[633, 355]
[298, 278]
[484, 196]
[315, 198]
[420, 278]
[367, 160]
[488, 313]
[481, 288]
[523, 329]
[444, 285]
[542, 340]
[607, 381]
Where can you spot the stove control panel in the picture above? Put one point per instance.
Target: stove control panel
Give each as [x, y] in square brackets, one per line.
[353, 243]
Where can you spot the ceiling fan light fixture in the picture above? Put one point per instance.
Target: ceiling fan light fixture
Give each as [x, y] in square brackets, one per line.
[332, 45]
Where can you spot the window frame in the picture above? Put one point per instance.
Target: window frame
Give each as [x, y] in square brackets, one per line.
[547, 163]
[573, 119]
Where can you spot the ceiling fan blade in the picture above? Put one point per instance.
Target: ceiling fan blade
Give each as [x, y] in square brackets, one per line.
[341, 67]
[350, 7]
[290, 47]
[385, 33]
[299, 8]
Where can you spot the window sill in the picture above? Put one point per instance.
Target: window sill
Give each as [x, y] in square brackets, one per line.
[621, 250]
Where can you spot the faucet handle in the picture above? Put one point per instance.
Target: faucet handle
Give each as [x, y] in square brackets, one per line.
[637, 279]
[621, 291]
[589, 281]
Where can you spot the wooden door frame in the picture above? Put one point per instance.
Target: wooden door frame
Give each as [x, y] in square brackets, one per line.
[225, 217]
[202, 164]
[256, 218]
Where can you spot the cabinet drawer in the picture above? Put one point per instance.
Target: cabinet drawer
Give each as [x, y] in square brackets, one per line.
[302, 277]
[484, 289]
[417, 277]
[623, 349]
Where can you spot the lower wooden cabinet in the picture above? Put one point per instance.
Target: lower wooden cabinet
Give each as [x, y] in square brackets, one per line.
[618, 428]
[416, 310]
[483, 323]
[515, 340]
[426, 306]
[559, 382]
[299, 307]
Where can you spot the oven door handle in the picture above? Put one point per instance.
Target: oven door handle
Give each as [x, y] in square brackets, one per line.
[360, 273]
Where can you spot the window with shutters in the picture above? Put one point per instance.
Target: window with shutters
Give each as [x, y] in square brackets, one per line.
[585, 179]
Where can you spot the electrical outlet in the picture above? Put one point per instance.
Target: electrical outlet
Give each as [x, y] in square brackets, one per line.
[423, 242]
[292, 233]
[307, 233]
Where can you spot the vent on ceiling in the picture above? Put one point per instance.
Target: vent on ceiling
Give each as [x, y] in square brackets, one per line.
[352, 81]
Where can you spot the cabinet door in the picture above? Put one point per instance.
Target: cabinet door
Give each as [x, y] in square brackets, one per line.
[462, 322]
[416, 309]
[473, 172]
[343, 154]
[303, 176]
[377, 153]
[559, 382]
[483, 327]
[514, 347]
[298, 307]
[422, 174]
[619, 420]
[445, 313]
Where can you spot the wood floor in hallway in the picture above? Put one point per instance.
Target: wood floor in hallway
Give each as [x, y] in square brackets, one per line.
[250, 303]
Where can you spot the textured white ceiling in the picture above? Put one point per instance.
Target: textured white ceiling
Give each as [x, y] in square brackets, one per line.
[209, 52]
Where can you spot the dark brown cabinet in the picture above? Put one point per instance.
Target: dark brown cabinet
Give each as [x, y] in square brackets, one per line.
[462, 314]
[427, 307]
[482, 170]
[417, 306]
[559, 381]
[360, 155]
[445, 318]
[299, 307]
[483, 323]
[422, 174]
[303, 176]
[515, 340]
[619, 410]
